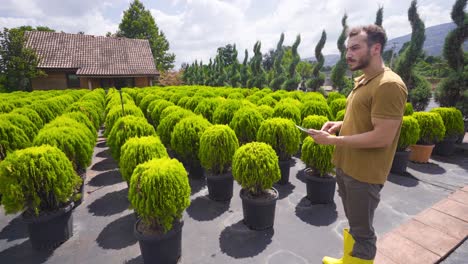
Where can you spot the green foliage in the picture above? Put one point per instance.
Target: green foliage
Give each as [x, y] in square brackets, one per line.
[137, 22]
[279, 71]
[409, 133]
[244, 70]
[18, 63]
[453, 121]
[185, 138]
[453, 46]
[408, 109]
[453, 91]
[90, 110]
[127, 127]
[21, 122]
[36, 180]
[421, 93]
[338, 73]
[64, 121]
[169, 110]
[159, 192]
[431, 125]
[167, 124]
[337, 105]
[318, 79]
[316, 108]
[71, 141]
[265, 111]
[6, 107]
[257, 78]
[282, 135]
[245, 123]
[268, 100]
[217, 147]
[340, 115]
[379, 16]
[317, 157]
[313, 96]
[11, 138]
[138, 150]
[157, 110]
[225, 111]
[255, 167]
[116, 112]
[43, 110]
[146, 101]
[292, 80]
[288, 111]
[81, 118]
[32, 115]
[207, 107]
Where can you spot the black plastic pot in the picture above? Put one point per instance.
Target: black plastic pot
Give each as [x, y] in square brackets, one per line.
[48, 231]
[220, 186]
[446, 147]
[258, 214]
[196, 171]
[284, 168]
[320, 190]
[400, 162]
[165, 248]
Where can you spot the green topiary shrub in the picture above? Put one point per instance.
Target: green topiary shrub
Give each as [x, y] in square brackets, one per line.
[6, 107]
[71, 141]
[167, 124]
[317, 157]
[313, 107]
[192, 103]
[313, 96]
[225, 111]
[287, 111]
[169, 110]
[116, 112]
[265, 111]
[32, 115]
[236, 95]
[127, 127]
[217, 147]
[409, 133]
[255, 167]
[267, 100]
[185, 138]
[89, 109]
[64, 121]
[146, 101]
[81, 118]
[314, 122]
[291, 101]
[138, 150]
[36, 180]
[157, 110]
[23, 123]
[432, 129]
[43, 110]
[282, 135]
[453, 121]
[337, 105]
[408, 109]
[159, 192]
[246, 123]
[11, 138]
[207, 107]
[332, 96]
[340, 115]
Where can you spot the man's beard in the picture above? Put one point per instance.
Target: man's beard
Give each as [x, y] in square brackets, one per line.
[361, 63]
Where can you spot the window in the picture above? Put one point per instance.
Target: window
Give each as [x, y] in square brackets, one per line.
[73, 81]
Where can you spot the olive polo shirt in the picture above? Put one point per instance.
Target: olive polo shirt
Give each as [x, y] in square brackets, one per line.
[380, 96]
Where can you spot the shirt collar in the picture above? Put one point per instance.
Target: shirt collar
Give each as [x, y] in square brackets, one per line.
[362, 80]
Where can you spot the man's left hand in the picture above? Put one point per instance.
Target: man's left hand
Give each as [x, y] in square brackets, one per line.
[322, 137]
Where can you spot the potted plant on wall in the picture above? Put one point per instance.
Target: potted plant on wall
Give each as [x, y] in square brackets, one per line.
[217, 147]
[159, 193]
[40, 182]
[409, 135]
[454, 129]
[284, 137]
[319, 181]
[432, 130]
[255, 168]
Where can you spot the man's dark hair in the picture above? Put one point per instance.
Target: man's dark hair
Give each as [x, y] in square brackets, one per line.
[375, 34]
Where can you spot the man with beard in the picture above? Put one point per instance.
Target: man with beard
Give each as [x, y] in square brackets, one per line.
[367, 140]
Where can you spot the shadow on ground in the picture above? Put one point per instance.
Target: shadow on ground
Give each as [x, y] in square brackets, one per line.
[457, 159]
[405, 179]
[284, 190]
[16, 229]
[205, 209]
[137, 260]
[238, 241]
[24, 253]
[428, 168]
[106, 178]
[316, 215]
[118, 200]
[105, 165]
[118, 234]
[101, 144]
[103, 154]
[196, 184]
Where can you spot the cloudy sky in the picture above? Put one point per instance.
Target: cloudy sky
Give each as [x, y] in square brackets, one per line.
[196, 28]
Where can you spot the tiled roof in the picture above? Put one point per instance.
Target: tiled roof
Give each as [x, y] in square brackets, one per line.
[92, 55]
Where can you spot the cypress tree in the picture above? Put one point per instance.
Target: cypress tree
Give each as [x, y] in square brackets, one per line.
[258, 78]
[379, 16]
[338, 73]
[234, 75]
[279, 76]
[453, 91]
[318, 79]
[244, 73]
[292, 78]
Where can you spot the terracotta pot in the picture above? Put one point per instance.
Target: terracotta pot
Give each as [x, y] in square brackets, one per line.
[421, 153]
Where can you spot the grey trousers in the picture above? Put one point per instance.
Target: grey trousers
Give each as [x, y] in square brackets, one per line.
[360, 200]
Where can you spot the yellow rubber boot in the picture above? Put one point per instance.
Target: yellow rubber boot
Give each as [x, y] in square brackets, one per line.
[348, 244]
[354, 260]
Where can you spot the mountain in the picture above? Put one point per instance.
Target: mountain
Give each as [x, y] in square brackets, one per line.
[433, 45]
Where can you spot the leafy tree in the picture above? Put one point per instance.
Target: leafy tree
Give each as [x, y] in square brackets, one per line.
[318, 79]
[257, 79]
[227, 53]
[338, 73]
[279, 73]
[18, 63]
[244, 71]
[453, 91]
[269, 60]
[234, 75]
[138, 23]
[292, 79]
[419, 88]
[379, 16]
